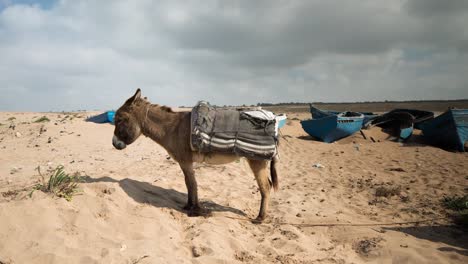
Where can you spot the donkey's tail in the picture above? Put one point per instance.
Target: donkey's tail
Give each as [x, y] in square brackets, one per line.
[274, 174]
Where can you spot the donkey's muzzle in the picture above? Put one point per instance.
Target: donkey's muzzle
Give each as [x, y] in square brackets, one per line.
[118, 144]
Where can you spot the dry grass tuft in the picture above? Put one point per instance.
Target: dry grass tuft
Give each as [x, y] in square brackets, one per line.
[42, 119]
[60, 183]
[459, 206]
[384, 191]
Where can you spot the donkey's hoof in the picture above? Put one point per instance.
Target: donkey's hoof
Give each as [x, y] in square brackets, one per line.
[258, 220]
[198, 211]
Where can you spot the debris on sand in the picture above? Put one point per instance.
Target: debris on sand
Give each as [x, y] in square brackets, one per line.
[244, 256]
[136, 261]
[318, 165]
[384, 191]
[367, 246]
[196, 252]
[396, 169]
[15, 170]
[404, 196]
[18, 134]
[123, 247]
[9, 194]
[42, 130]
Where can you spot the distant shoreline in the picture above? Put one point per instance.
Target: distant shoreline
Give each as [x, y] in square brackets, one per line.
[432, 105]
[371, 106]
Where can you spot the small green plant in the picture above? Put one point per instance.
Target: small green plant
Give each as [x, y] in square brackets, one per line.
[458, 204]
[42, 119]
[60, 183]
[11, 118]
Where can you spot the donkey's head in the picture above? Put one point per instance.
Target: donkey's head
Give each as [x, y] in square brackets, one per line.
[127, 125]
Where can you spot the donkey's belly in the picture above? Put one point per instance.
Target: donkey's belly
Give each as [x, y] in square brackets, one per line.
[214, 158]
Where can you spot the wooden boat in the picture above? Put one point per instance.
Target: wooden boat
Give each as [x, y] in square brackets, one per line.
[398, 124]
[318, 113]
[420, 116]
[448, 130]
[334, 127]
[401, 122]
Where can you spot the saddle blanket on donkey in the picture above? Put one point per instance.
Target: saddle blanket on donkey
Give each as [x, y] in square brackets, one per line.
[247, 133]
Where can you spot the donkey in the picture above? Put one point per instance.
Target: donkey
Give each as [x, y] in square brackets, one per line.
[171, 130]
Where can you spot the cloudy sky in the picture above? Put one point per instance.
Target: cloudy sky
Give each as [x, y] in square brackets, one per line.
[73, 54]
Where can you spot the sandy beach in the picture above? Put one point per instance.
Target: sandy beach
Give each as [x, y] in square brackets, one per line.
[129, 205]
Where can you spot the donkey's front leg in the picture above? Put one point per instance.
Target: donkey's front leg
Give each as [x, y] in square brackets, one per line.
[193, 206]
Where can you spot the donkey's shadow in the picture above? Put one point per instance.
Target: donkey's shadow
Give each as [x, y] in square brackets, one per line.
[143, 192]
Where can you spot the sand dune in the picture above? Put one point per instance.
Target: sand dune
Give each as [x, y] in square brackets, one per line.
[129, 209]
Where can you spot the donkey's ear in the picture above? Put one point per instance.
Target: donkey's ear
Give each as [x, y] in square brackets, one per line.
[132, 99]
[137, 94]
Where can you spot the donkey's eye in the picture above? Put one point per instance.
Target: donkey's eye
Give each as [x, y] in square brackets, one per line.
[119, 121]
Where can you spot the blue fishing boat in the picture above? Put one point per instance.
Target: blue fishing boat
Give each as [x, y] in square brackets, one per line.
[106, 117]
[281, 120]
[334, 127]
[449, 130]
[318, 113]
[110, 116]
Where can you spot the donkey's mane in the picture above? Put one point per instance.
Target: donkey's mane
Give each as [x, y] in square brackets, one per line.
[163, 108]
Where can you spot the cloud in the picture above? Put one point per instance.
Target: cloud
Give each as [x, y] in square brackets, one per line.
[93, 54]
[430, 8]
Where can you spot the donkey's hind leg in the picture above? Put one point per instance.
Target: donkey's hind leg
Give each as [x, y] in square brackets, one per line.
[260, 170]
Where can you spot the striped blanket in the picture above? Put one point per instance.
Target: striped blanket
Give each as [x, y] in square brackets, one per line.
[251, 134]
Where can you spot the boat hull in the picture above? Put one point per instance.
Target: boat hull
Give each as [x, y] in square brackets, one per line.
[332, 128]
[420, 116]
[318, 113]
[449, 130]
[398, 124]
[106, 117]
